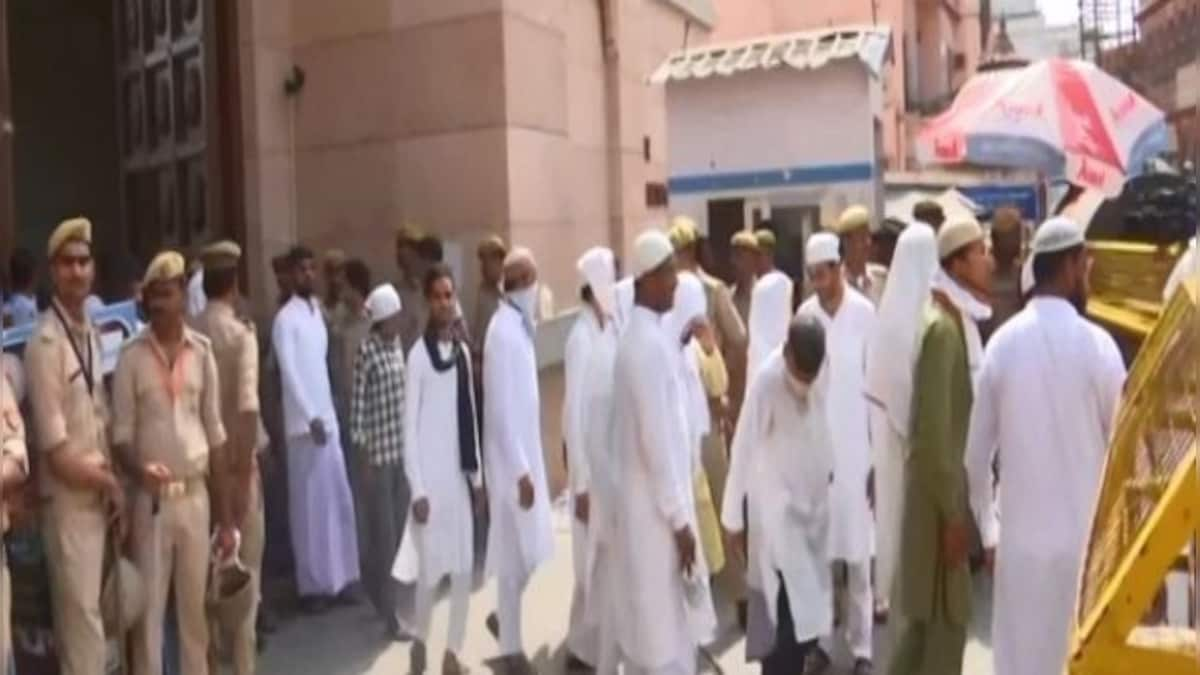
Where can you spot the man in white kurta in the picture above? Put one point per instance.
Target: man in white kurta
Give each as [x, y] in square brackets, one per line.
[849, 322]
[782, 468]
[662, 600]
[891, 361]
[520, 537]
[322, 521]
[1047, 393]
[770, 306]
[441, 461]
[590, 351]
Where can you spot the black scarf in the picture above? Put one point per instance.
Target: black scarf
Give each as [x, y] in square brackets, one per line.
[466, 405]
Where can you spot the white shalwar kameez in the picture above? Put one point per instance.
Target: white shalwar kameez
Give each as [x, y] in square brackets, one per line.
[891, 360]
[782, 464]
[662, 617]
[444, 544]
[843, 378]
[321, 507]
[1046, 398]
[519, 540]
[590, 351]
[770, 312]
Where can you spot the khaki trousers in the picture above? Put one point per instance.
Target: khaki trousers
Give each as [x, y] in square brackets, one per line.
[243, 638]
[74, 538]
[172, 551]
[5, 616]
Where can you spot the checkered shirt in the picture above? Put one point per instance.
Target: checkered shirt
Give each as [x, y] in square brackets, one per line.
[377, 403]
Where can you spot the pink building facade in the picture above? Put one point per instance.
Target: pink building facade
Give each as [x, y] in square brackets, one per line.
[936, 45]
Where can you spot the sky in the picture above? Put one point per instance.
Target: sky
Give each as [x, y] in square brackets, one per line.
[1059, 11]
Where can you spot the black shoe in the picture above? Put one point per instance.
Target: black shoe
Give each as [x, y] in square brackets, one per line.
[863, 667]
[577, 665]
[265, 623]
[349, 597]
[817, 662]
[416, 658]
[314, 604]
[493, 625]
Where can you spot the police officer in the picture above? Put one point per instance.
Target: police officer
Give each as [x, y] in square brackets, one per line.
[14, 467]
[167, 431]
[83, 496]
[235, 349]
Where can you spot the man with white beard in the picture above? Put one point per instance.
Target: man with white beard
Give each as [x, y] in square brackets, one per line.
[1046, 398]
[520, 538]
[782, 469]
[849, 322]
[891, 358]
[587, 365]
[663, 604]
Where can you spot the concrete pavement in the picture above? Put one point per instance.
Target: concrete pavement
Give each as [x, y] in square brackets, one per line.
[350, 641]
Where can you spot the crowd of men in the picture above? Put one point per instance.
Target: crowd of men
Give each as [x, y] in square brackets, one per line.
[827, 459]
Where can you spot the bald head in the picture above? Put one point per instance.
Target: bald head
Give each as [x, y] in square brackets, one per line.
[805, 347]
[520, 269]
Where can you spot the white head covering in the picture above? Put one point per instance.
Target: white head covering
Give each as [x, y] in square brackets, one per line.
[1057, 234]
[893, 353]
[822, 247]
[596, 268]
[690, 304]
[651, 249]
[624, 302]
[383, 302]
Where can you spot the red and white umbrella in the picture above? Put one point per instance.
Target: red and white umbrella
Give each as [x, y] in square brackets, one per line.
[1065, 118]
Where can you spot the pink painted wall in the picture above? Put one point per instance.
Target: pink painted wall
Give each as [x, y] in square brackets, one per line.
[955, 28]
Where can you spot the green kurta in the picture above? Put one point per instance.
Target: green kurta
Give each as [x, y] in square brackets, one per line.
[933, 601]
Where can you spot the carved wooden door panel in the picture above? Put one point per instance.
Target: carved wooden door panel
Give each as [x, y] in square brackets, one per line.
[166, 123]
[7, 228]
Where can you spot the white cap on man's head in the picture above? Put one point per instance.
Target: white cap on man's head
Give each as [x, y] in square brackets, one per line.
[651, 249]
[956, 235]
[383, 302]
[1057, 234]
[822, 247]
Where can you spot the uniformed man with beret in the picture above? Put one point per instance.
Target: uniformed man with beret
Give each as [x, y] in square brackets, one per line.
[14, 467]
[853, 228]
[167, 431]
[83, 496]
[235, 349]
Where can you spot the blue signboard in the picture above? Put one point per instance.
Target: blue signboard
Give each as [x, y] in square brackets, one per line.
[115, 323]
[992, 197]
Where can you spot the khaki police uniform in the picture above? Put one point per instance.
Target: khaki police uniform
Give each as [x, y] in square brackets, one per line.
[235, 349]
[12, 448]
[170, 413]
[70, 415]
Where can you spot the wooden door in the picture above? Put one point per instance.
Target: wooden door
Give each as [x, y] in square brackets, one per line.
[8, 230]
[167, 126]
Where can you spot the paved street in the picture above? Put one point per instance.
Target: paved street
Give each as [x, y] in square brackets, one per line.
[349, 641]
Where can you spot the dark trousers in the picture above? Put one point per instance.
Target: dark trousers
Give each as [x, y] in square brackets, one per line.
[386, 498]
[787, 658]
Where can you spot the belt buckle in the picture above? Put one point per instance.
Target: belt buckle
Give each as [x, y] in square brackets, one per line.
[175, 489]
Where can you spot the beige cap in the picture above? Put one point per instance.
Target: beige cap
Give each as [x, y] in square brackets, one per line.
[492, 245]
[221, 254]
[765, 238]
[74, 229]
[335, 257]
[165, 266]
[683, 232]
[744, 239]
[409, 232]
[957, 234]
[853, 218]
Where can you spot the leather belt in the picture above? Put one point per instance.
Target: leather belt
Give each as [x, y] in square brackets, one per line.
[177, 489]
